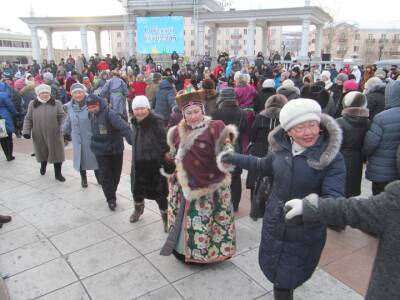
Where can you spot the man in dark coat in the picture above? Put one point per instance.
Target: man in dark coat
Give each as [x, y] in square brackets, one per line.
[228, 111]
[149, 138]
[108, 130]
[375, 92]
[376, 214]
[266, 91]
[382, 140]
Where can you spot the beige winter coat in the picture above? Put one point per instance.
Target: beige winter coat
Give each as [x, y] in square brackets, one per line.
[44, 121]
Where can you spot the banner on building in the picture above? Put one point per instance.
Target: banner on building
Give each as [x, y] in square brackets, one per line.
[160, 35]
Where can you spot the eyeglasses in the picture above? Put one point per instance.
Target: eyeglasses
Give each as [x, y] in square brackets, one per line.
[312, 126]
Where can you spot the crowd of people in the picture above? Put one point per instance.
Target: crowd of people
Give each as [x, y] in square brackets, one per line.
[297, 129]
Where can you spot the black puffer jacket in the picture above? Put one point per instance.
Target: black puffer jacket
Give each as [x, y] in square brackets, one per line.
[261, 98]
[376, 99]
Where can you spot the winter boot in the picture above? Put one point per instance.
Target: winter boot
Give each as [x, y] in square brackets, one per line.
[43, 166]
[112, 204]
[84, 183]
[283, 294]
[4, 219]
[164, 217]
[139, 209]
[57, 172]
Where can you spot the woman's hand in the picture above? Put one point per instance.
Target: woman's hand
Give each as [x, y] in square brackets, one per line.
[293, 208]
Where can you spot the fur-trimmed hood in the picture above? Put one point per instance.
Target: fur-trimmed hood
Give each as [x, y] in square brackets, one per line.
[355, 112]
[331, 140]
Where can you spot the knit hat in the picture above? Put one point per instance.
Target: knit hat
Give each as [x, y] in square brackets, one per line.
[342, 77]
[287, 83]
[326, 74]
[350, 85]
[43, 88]
[268, 83]
[48, 76]
[276, 101]
[354, 99]
[296, 69]
[77, 87]
[373, 81]
[140, 102]
[227, 94]
[19, 84]
[298, 111]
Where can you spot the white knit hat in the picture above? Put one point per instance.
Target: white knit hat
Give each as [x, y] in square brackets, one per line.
[326, 74]
[298, 111]
[77, 87]
[288, 83]
[140, 102]
[43, 88]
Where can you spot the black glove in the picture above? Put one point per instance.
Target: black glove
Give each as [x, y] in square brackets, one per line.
[227, 158]
[27, 136]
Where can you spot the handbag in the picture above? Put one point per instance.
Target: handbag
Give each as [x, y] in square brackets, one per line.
[3, 129]
[260, 194]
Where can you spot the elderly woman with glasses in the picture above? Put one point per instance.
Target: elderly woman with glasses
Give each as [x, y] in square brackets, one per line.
[304, 158]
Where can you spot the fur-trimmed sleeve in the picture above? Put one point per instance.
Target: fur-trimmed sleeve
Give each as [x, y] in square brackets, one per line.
[224, 145]
[170, 139]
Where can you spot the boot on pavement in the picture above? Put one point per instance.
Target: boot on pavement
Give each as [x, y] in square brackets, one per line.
[139, 209]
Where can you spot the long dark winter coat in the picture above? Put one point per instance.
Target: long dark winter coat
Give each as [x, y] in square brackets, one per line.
[383, 138]
[376, 100]
[379, 215]
[45, 121]
[290, 253]
[261, 98]
[354, 124]
[264, 123]
[149, 138]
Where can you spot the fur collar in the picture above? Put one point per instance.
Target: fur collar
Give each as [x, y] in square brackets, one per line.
[331, 150]
[37, 103]
[355, 112]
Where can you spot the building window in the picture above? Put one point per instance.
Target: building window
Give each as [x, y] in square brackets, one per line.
[370, 36]
[227, 31]
[357, 37]
[245, 31]
[219, 42]
[273, 31]
[356, 48]
[383, 36]
[192, 32]
[191, 43]
[192, 53]
[118, 34]
[226, 42]
[119, 45]
[244, 42]
[396, 37]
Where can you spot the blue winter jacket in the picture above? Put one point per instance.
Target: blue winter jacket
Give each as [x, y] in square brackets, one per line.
[7, 108]
[108, 130]
[383, 138]
[165, 100]
[290, 253]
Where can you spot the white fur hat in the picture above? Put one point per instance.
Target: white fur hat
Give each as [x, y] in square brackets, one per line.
[326, 74]
[298, 111]
[140, 102]
[42, 88]
[354, 99]
[288, 83]
[268, 83]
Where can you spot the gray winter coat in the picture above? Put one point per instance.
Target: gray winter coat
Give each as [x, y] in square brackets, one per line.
[44, 121]
[379, 215]
[117, 91]
[383, 138]
[77, 124]
[165, 100]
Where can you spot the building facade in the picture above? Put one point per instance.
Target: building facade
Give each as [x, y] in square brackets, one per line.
[14, 46]
[344, 40]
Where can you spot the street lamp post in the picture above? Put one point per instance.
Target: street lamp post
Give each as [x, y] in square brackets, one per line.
[380, 51]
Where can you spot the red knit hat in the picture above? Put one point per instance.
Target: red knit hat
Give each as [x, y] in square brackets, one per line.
[350, 85]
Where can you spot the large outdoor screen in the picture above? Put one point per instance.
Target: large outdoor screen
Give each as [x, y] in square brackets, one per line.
[160, 35]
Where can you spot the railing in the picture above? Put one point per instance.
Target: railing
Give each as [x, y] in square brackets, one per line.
[396, 41]
[381, 41]
[370, 41]
[342, 40]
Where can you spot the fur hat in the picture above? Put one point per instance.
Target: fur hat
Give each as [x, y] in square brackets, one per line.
[342, 77]
[354, 99]
[77, 87]
[380, 74]
[227, 94]
[184, 99]
[298, 111]
[140, 102]
[277, 101]
[316, 92]
[373, 81]
[350, 85]
[326, 74]
[288, 83]
[268, 84]
[42, 88]
[48, 76]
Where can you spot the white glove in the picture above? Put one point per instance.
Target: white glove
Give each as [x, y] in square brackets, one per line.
[293, 208]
